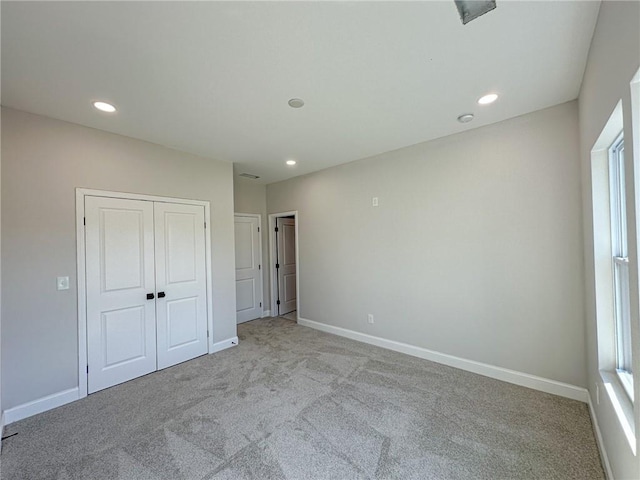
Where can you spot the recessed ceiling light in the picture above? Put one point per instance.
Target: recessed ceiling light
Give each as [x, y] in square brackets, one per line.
[487, 99]
[465, 118]
[291, 162]
[104, 107]
[296, 103]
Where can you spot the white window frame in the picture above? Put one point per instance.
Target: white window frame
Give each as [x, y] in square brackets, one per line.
[620, 260]
[610, 382]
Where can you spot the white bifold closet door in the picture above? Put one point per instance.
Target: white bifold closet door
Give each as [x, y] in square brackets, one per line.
[146, 287]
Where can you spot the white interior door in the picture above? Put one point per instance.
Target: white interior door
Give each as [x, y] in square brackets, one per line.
[286, 238]
[248, 269]
[121, 320]
[180, 282]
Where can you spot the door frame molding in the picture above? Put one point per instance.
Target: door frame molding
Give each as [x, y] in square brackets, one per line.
[259, 217]
[273, 275]
[81, 193]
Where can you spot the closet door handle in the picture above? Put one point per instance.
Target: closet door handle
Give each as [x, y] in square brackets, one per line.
[150, 296]
[161, 294]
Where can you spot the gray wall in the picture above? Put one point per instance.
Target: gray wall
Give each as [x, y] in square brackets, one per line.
[251, 197]
[613, 60]
[475, 249]
[43, 161]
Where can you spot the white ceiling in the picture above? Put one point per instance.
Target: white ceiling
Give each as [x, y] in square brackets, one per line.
[214, 78]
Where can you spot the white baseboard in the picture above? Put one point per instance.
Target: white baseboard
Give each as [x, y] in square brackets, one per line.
[266, 313]
[41, 405]
[499, 373]
[61, 398]
[1, 429]
[223, 345]
[600, 441]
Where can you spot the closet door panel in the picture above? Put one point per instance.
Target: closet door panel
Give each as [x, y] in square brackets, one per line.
[121, 320]
[180, 283]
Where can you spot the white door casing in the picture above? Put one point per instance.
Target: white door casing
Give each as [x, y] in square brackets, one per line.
[248, 268]
[286, 240]
[82, 280]
[121, 321]
[180, 283]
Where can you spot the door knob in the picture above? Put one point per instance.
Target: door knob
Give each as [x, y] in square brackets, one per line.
[150, 296]
[161, 294]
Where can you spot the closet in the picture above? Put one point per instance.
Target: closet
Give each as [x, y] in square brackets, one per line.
[146, 287]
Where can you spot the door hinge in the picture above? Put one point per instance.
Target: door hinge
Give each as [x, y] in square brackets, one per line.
[277, 265]
[276, 229]
[205, 225]
[278, 302]
[84, 220]
[87, 368]
[258, 229]
[207, 333]
[260, 303]
[259, 267]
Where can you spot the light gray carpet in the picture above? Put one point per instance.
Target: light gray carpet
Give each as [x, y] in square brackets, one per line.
[294, 403]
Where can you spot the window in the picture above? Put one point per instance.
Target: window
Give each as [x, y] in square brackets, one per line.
[620, 265]
[615, 293]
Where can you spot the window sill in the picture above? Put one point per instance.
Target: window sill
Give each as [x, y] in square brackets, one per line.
[622, 405]
[626, 380]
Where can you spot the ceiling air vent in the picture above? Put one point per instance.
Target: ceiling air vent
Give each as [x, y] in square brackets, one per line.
[248, 175]
[472, 9]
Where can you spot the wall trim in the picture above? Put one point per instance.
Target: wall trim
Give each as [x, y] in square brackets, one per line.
[511, 376]
[600, 441]
[1, 429]
[266, 313]
[41, 405]
[223, 345]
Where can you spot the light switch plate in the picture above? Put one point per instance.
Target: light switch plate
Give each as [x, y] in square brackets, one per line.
[62, 283]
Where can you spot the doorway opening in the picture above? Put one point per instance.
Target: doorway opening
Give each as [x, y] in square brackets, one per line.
[283, 264]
